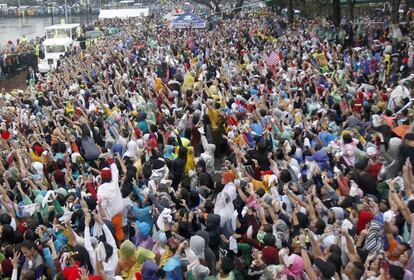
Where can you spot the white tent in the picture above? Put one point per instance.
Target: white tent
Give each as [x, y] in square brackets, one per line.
[124, 13]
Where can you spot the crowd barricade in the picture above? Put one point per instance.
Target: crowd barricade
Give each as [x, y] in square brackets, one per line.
[13, 63]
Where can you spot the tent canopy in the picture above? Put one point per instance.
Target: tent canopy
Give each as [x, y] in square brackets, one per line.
[124, 13]
[188, 20]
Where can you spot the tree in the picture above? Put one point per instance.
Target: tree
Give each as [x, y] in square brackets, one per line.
[395, 7]
[351, 5]
[336, 12]
[290, 11]
[205, 3]
[215, 5]
[22, 2]
[405, 10]
[238, 7]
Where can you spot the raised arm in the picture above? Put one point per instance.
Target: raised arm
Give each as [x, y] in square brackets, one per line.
[352, 254]
[306, 260]
[316, 247]
[108, 235]
[114, 172]
[204, 142]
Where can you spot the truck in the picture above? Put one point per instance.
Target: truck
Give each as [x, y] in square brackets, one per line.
[53, 49]
[59, 39]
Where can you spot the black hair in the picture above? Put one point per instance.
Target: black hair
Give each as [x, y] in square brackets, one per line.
[411, 206]
[85, 132]
[267, 228]
[61, 147]
[60, 163]
[409, 136]
[227, 264]
[362, 164]
[201, 163]
[186, 183]
[12, 196]
[8, 252]
[260, 192]
[194, 199]
[285, 176]
[358, 270]
[187, 133]
[184, 193]
[125, 133]
[102, 163]
[320, 226]
[182, 212]
[388, 113]
[347, 138]
[29, 274]
[406, 245]
[209, 206]
[397, 272]
[7, 234]
[82, 256]
[30, 235]
[182, 153]
[153, 128]
[5, 219]
[74, 167]
[28, 244]
[280, 154]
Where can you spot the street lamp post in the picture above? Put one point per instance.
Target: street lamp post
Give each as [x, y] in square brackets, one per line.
[51, 12]
[87, 12]
[66, 12]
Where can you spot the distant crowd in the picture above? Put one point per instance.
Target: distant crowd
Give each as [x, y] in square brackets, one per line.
[253, 149]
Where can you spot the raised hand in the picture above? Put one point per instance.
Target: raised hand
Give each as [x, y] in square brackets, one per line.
[98, 218]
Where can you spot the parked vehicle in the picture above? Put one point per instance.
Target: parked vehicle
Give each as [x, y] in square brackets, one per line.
[59, 39]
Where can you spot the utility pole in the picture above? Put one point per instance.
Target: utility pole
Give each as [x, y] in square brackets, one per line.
[87, 12]
[66, 12]
[50, 4]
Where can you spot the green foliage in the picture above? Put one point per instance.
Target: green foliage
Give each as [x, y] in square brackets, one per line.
[44, 2]
[22, 2]
[277, 3]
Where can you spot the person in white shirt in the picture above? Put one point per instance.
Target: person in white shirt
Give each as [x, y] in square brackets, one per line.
[110, 197]
[107, 251]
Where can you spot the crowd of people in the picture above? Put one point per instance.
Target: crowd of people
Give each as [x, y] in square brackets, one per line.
[253, 149]
[15, 56]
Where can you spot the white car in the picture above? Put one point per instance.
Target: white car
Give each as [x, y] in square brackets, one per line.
[53, 49]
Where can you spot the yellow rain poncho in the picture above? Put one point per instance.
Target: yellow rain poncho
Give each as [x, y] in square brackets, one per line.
[158, 84]
[143, 255]
[189, 80]
[190, 163]
[127, 263]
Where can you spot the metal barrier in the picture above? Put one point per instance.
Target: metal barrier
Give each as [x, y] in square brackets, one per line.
[11, 64]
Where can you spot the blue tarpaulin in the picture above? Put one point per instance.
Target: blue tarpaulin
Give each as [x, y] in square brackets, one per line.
[189, 20]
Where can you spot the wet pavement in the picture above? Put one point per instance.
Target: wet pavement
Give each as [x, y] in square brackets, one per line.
[14, 28]
[16, 81]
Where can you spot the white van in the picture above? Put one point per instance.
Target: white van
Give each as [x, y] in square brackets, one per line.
[53, 49]
[62, 31]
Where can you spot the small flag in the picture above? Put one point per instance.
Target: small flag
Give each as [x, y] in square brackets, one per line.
[273, 59]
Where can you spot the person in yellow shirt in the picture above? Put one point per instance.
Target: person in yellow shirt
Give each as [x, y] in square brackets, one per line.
[217, 128]
[190, 163]
[158, 84]
[213, 115]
